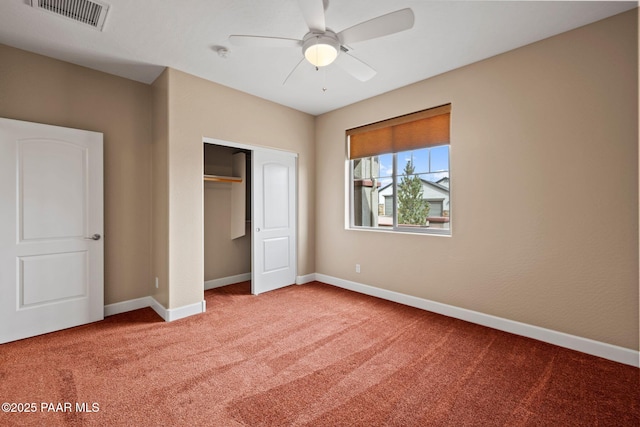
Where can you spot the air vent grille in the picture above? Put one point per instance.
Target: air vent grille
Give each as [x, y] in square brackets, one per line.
[89, 12]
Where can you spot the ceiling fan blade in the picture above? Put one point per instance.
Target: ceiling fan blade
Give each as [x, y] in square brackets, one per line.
[355, 67]
[313, 12]
[384, 25]
[263, 41]
[293, 71]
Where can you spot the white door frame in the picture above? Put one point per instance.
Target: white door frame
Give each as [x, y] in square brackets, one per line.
[253, 148]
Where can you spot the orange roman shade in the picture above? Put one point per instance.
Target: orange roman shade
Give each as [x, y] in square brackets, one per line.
[425, 128]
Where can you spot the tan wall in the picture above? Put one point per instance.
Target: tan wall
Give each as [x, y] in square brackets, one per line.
[160, 184]
[223, 256]
[39, 89]
[544, 161]
[199, 108]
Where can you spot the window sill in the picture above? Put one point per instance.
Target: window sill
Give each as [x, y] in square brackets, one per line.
[422, 232]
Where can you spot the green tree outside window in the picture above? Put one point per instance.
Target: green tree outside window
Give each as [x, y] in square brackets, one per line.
[412, 208]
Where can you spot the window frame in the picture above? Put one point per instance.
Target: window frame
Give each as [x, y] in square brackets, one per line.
[395, 228]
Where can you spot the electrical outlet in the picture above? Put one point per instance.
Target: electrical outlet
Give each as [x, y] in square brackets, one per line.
[156, 283]
[357, 268]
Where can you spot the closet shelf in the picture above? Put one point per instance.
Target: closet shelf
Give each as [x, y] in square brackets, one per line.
[220, 178]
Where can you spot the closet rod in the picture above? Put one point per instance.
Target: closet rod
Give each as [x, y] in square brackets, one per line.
[220, 178]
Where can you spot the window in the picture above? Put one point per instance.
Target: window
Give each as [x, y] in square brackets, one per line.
[400, 173]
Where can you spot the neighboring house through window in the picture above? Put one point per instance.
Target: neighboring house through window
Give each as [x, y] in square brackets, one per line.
[399, 173]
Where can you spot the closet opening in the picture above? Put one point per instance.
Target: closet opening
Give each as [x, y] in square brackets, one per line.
[227, 217]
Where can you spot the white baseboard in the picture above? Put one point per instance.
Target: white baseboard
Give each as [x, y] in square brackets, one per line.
[307, 278]
[171, 314]
[217, 283]
[168, 315]
[185, 311]
[158, 308]
[584, 345]
[124, 306]
[224, 281]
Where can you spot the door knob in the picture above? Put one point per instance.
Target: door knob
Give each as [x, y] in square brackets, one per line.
[94, 237]
[258, 229]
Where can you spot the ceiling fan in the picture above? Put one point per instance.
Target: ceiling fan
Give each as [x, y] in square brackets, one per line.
[322, 46]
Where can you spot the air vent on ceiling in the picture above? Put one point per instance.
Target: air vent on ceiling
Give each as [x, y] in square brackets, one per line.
[89, 12]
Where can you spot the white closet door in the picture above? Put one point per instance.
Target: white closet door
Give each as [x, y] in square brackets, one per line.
[51, 226]
[274, 220]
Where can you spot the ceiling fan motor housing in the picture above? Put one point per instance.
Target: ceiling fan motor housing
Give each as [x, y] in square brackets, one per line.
[320, 49]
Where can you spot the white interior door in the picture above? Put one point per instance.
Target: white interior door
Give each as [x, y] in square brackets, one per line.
[51, 226]
[273, 220]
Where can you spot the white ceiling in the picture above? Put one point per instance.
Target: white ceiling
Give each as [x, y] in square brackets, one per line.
[141, 37]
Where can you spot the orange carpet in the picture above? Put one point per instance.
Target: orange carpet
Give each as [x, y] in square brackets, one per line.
[311, 355]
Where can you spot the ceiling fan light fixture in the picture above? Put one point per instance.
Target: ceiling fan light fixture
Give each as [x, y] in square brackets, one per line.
[320, 49]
